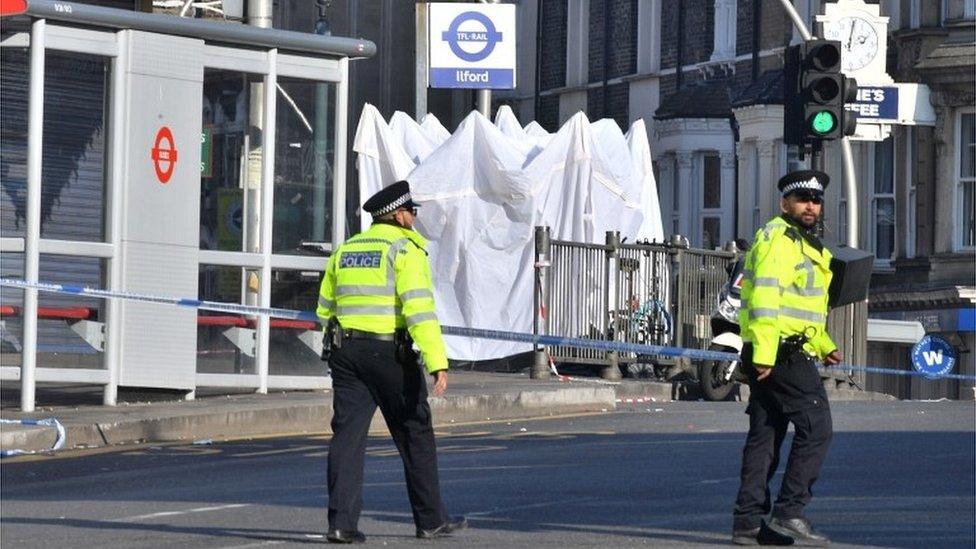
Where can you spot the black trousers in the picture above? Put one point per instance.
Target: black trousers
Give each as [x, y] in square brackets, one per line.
[367, 374]
[793, 393]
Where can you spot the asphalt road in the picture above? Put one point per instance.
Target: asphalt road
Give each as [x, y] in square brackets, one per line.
[900, 474]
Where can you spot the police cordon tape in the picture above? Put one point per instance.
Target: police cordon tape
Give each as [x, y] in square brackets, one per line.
[480, 333]
[49, 422]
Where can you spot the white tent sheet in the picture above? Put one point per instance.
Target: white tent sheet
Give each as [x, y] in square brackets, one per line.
[484, 188]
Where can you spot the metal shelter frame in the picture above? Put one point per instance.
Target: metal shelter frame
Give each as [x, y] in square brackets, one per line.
[81, 28]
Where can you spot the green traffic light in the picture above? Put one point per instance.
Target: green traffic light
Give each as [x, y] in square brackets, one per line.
[823, 122]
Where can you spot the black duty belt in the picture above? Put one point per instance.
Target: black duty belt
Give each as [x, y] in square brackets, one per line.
[358, 334]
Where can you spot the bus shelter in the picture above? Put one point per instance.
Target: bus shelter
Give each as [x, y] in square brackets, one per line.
[175, 157]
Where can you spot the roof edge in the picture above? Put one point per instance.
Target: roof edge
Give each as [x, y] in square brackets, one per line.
[247, 35]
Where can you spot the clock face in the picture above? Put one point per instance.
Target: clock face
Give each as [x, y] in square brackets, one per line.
[858, 41]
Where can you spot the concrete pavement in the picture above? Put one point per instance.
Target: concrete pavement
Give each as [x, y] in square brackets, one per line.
[471, 397]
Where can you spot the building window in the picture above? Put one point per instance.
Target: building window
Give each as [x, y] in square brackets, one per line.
[675, 197]
[958, 10]
[966, 179]
[711, 189]
[883, 202]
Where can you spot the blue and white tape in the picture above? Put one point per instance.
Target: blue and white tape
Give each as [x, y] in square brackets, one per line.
[49, 422]
[548, 340]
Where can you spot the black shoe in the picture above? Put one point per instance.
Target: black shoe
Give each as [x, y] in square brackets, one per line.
[800, 530]
[761, 535]
[345, 536]
[453, 524]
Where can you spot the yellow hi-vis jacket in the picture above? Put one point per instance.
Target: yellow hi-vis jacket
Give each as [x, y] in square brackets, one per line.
[784, 292]
[379, 281]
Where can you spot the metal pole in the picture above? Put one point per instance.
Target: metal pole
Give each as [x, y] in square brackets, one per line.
[850, 177]
[266, 216]
[339, 168]
[612, 370]
[113, 326]
[484, 96]
[797, 20]
[543, 262]
[484, 102]
[35, 143]
[850, 188]
[420, 69]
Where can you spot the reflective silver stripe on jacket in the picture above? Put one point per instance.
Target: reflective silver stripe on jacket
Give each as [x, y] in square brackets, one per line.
[417, 318]
[416, 294]
[391, 258]
[384, 310]
[327, 303]
[786, 311]
[766, 282]
[364, 289]
[803, 315]
[805, 292]
[763, 313]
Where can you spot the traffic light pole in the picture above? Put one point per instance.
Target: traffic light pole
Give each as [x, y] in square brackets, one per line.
[850, 181]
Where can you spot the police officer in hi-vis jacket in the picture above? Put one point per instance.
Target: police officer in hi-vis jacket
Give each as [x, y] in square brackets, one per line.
[378, 296]
[783, 319]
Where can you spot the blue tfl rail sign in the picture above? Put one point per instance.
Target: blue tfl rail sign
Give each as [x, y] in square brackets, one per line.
[933, 356]
[471, 45]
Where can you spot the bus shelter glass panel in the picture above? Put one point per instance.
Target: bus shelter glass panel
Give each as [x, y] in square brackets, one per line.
[71, 328]
[225, 341]
[292, 348]
[11, 305]
[13, 140]
[230, 159]
[304, 159]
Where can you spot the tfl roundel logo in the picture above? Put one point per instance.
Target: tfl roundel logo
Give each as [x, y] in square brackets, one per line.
[476, 32]
[933, 356]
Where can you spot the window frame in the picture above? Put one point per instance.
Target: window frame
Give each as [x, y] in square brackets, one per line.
[959, 212]
[874, 196]
[709, 213]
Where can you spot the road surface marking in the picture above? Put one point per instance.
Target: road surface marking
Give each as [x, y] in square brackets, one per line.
[529, 506]
[184, 512]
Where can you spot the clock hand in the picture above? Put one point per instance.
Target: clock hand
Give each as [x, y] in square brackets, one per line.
[850, 37]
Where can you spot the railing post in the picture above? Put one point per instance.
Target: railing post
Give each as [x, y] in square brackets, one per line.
[612, 370]
[540, 301]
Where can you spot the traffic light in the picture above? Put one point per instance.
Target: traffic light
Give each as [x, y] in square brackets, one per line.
[814, 93]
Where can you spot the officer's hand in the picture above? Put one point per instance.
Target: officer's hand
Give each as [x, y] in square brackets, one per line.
[440, 382]
[834, 357]
[763, 372]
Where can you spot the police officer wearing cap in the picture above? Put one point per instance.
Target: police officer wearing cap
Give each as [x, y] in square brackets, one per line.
[377, 295]
[783, 322]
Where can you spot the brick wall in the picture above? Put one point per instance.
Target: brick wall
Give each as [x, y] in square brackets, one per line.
[622, 57]
[618, 104]
[743, 27]
[669, 34]
[776, 27]
[548, 115]
[552, 45]
[699, 30]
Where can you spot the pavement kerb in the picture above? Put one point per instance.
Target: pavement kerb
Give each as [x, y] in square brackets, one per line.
[223, 419]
